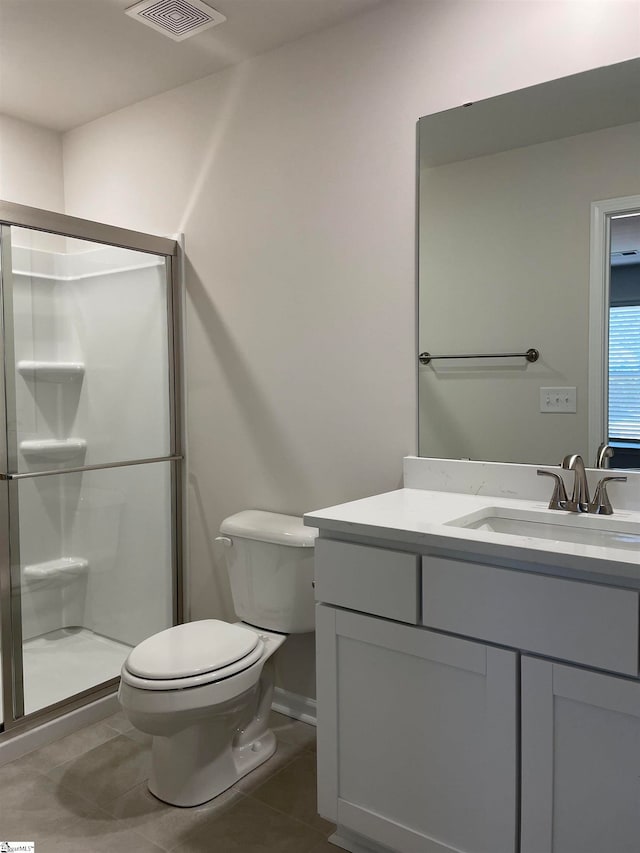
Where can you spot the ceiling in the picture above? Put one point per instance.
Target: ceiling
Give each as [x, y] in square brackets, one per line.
[66, 62]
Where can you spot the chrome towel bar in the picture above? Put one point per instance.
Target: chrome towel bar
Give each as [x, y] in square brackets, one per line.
[531, 355]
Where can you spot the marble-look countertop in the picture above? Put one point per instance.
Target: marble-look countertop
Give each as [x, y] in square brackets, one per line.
[421, 519]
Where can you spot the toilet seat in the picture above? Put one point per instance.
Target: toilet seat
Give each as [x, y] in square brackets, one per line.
[191, 655]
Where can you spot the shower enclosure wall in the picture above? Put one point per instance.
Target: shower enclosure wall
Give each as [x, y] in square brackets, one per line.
[90, 456]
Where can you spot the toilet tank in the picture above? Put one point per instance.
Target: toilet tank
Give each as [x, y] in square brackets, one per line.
[270, 565]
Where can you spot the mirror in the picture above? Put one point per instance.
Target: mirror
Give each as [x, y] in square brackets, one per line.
[515, 245]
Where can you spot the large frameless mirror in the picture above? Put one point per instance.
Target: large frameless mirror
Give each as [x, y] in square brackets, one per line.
[529, 273]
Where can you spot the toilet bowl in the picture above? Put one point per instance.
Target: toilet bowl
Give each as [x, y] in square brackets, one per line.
[209, 717]
[203, 690]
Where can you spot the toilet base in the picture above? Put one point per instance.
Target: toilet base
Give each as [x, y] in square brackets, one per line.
[186, 783]
[206, 739]
[195, 764]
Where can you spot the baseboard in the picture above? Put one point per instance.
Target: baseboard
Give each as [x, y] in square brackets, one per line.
[15, 746]
[353, 843]
[292, 705]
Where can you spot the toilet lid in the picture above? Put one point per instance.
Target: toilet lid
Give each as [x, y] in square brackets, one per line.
[191, 649]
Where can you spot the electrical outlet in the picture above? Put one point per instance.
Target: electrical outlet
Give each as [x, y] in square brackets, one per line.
[558, 399]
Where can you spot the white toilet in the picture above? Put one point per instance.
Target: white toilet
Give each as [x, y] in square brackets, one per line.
[204, 689]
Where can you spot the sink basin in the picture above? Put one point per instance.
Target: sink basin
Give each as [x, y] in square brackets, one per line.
[556, 526]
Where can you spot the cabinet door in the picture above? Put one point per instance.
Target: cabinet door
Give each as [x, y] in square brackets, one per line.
[580, 760]
[416, 736]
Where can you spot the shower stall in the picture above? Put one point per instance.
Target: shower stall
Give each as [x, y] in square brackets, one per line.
[91, 488]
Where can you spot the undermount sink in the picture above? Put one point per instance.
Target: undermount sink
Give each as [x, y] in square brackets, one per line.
[556, 526]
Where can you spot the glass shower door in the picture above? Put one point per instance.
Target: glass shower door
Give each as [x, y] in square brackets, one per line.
[90, 452]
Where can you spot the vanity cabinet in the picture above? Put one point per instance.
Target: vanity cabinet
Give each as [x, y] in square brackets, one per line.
[416, 736]
[441, 725]
[580, 760]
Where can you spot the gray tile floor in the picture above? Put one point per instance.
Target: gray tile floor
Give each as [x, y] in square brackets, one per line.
[87, 793]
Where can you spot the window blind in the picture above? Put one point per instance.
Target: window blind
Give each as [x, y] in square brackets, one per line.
[624, 372]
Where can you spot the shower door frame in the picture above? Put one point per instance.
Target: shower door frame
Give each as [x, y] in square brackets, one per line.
[14, 720]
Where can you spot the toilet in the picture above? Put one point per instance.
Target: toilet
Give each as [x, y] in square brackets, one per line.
[203, 690]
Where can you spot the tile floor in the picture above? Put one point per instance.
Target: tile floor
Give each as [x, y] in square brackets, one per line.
[87, 793]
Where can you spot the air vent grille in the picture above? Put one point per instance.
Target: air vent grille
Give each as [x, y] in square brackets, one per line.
[177, 19]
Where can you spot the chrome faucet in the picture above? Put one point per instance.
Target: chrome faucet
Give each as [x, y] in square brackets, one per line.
[579, 500]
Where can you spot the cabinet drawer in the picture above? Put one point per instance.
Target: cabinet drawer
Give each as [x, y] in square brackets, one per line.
[571, 620]
[372, 580]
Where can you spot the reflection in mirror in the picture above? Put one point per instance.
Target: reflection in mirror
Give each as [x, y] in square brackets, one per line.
[507, 262]
[623, 410]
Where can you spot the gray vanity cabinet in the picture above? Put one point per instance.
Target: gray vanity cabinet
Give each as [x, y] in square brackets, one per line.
[580, 760]
[441, 725]
[417, 736]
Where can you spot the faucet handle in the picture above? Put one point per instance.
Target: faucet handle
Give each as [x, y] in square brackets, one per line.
[559, 496]
[601, 505]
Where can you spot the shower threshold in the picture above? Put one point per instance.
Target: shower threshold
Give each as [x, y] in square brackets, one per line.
[65, 662]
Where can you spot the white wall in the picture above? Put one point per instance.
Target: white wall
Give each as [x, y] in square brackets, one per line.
[293, 178]
[504, 249]
[30, 164]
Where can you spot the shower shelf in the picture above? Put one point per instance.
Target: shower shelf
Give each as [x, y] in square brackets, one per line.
[53, 449]
[58, 572]
[51, 371]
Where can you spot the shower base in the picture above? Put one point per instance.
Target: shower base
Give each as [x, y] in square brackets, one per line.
[65, 662]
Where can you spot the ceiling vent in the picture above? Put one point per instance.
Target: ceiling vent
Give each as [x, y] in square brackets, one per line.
[178, 19]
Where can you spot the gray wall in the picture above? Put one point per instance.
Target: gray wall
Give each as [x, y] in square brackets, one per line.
[30, 164]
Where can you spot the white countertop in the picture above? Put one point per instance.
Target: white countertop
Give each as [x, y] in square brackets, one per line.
[420, 518]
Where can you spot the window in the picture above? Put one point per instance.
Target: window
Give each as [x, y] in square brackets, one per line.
[624, 373]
